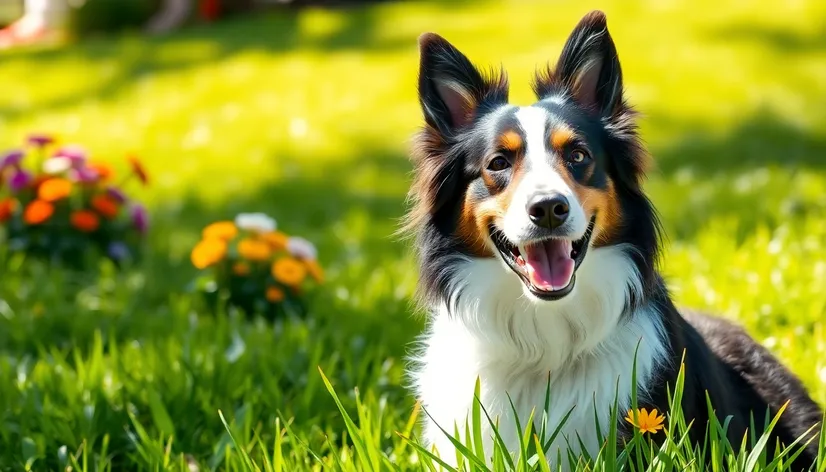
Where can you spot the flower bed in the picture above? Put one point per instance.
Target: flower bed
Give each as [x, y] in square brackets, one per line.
[249, 265]
[60, 206]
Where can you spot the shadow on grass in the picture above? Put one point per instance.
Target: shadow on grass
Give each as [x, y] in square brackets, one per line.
[276, 33]
[748, 174]
[762, 140]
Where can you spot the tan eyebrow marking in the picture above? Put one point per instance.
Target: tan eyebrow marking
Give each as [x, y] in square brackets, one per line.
[561, 136]
[510, 140]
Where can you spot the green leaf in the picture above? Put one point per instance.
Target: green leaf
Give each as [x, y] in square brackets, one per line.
[160, 416]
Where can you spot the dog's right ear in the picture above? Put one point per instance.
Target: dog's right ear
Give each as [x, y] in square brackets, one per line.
[451, 89]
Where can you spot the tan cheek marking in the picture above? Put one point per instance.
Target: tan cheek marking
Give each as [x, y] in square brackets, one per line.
[511, 140]
[606, 206]
[493, 209]
[603, 202]
[470, 232]
[560, 137]
[476, 217]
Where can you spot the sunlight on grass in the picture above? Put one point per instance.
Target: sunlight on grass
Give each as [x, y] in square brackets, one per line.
[307, 115]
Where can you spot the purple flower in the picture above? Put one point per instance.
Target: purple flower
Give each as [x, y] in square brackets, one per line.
[19, 180]
[84, 175]
[75, 154]
[118, 251]
[140, 218]
[40, 140]
[11, 158]
[116, 194]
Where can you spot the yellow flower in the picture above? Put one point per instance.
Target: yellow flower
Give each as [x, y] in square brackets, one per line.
[275, 294]
[289, 271]
[241, 269]
[314, 269]
[225, 230]
[208, 252]
[646, 422]
[276, 239]
[254, 250]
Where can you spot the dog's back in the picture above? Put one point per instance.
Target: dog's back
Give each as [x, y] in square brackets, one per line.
[747, 380]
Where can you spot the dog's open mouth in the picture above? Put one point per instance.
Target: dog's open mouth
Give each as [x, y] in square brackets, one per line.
[547, 267]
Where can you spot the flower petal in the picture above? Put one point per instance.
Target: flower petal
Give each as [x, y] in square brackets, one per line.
[258, 222]
[301, 248]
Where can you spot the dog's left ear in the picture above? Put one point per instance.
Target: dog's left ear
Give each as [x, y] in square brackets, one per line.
[589, 67]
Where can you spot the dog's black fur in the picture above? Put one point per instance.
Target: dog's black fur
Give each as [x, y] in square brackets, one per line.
[743, 381]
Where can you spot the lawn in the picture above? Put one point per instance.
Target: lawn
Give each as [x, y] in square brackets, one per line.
[307, 116]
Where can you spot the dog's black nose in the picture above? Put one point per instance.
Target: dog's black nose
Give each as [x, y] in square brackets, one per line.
[548, 211]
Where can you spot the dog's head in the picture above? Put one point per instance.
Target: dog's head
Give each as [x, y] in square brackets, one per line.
[535, 186]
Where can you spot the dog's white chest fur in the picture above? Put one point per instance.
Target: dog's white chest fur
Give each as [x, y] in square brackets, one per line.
[515, 345]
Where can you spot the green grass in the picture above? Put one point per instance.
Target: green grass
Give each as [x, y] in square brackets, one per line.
[307, 116]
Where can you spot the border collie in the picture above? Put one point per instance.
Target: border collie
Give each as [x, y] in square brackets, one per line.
[537, 254]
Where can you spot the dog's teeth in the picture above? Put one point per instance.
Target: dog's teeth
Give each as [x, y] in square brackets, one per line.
[520, 261]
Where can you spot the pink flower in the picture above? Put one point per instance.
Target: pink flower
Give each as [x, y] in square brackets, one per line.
[11, 159]
[140, 218]
[19, 180]
[75, 154]
[40, 140]
[84, 175]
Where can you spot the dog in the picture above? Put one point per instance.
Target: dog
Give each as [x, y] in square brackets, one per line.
[537, 253]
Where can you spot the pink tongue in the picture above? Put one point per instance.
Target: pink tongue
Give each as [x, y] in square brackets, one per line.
[549, 264]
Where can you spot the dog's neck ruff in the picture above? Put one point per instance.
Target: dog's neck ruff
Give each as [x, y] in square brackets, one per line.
[584, 344]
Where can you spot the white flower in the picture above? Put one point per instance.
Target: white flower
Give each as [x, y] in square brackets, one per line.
[301, 248]
[57, 165]
[255, 222]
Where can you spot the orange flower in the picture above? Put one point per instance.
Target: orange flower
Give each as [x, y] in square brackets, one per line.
[276, 239]
[139, 170]
[275, 294]
[7, 209]
[645, 422]
[208, 252]
[106, 206]
[103, 170]
[84, 220]
[241, 269]
[254, 250]
[314, 269]
[289, 271]
[38, 212]
[53, 190]
[224, 230]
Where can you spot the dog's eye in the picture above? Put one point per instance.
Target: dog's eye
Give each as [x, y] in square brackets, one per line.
[578, 156]
[498, 163]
